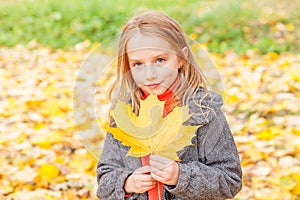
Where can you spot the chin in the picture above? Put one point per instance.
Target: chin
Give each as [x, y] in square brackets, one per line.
[158, 92]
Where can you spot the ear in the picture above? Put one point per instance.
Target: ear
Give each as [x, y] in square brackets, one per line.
[185, 51]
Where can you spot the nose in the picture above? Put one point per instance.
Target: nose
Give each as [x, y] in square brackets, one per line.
[150, 72]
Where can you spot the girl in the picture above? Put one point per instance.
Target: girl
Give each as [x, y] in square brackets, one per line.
[154, 57]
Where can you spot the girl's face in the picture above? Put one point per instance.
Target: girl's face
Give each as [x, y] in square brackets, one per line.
[153, 63]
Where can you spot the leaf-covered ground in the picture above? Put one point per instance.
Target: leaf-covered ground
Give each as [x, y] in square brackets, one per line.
[42, 156]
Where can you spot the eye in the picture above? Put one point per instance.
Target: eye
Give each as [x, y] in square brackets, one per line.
[137, 65]
[160, 60]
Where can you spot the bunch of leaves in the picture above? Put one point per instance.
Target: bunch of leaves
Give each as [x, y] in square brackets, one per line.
[150, 132]
[263, 110]
[42, 157]
[40, 153]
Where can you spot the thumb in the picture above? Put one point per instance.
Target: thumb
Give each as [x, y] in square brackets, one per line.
[143, 170]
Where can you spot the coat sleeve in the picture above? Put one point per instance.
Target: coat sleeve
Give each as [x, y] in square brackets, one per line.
[111, 172]
[218, 174]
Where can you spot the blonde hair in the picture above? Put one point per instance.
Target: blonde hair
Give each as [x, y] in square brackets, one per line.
[160, 25]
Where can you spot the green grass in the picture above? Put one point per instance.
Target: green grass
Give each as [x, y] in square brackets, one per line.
[222, 25]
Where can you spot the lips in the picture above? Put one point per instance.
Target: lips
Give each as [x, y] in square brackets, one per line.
[153, 85]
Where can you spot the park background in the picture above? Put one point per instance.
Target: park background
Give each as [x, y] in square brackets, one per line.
[254, 45]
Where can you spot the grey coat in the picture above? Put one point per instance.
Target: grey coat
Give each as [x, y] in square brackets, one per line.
[209, 169]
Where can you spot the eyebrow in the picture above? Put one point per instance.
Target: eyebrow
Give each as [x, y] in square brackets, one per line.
[155, 56]
[161, 55]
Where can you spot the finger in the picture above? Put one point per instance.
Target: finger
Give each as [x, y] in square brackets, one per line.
[159, 165]
[158, 177]
[146, 188]
[161, 172]
[151, 186]
[160, 159]
[148, 184]
[143, 170]
[143, 178]
[163, 178]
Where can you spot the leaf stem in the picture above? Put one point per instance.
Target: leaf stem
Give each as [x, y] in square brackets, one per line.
[158, 188]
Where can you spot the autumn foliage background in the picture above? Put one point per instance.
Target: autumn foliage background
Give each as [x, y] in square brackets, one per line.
[255, 46]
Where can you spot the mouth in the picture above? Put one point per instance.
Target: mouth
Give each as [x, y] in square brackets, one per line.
[152, 85]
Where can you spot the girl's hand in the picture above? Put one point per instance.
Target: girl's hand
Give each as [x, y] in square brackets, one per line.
[139, 181]
[164, 170]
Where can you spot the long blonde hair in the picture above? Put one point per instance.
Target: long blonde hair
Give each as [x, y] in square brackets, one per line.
[160, 25]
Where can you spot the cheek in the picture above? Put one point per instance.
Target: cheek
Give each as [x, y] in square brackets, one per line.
[169, 72]
[136, 75]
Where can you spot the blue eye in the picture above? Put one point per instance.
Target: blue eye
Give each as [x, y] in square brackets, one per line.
[160, 60]
[137, 65]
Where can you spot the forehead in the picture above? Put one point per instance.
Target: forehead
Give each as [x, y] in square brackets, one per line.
[143, 42]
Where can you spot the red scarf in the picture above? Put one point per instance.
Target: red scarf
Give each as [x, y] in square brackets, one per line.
[153, 194]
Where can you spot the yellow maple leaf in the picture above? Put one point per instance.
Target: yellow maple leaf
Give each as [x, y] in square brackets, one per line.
[48, 172]
[150, 132]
